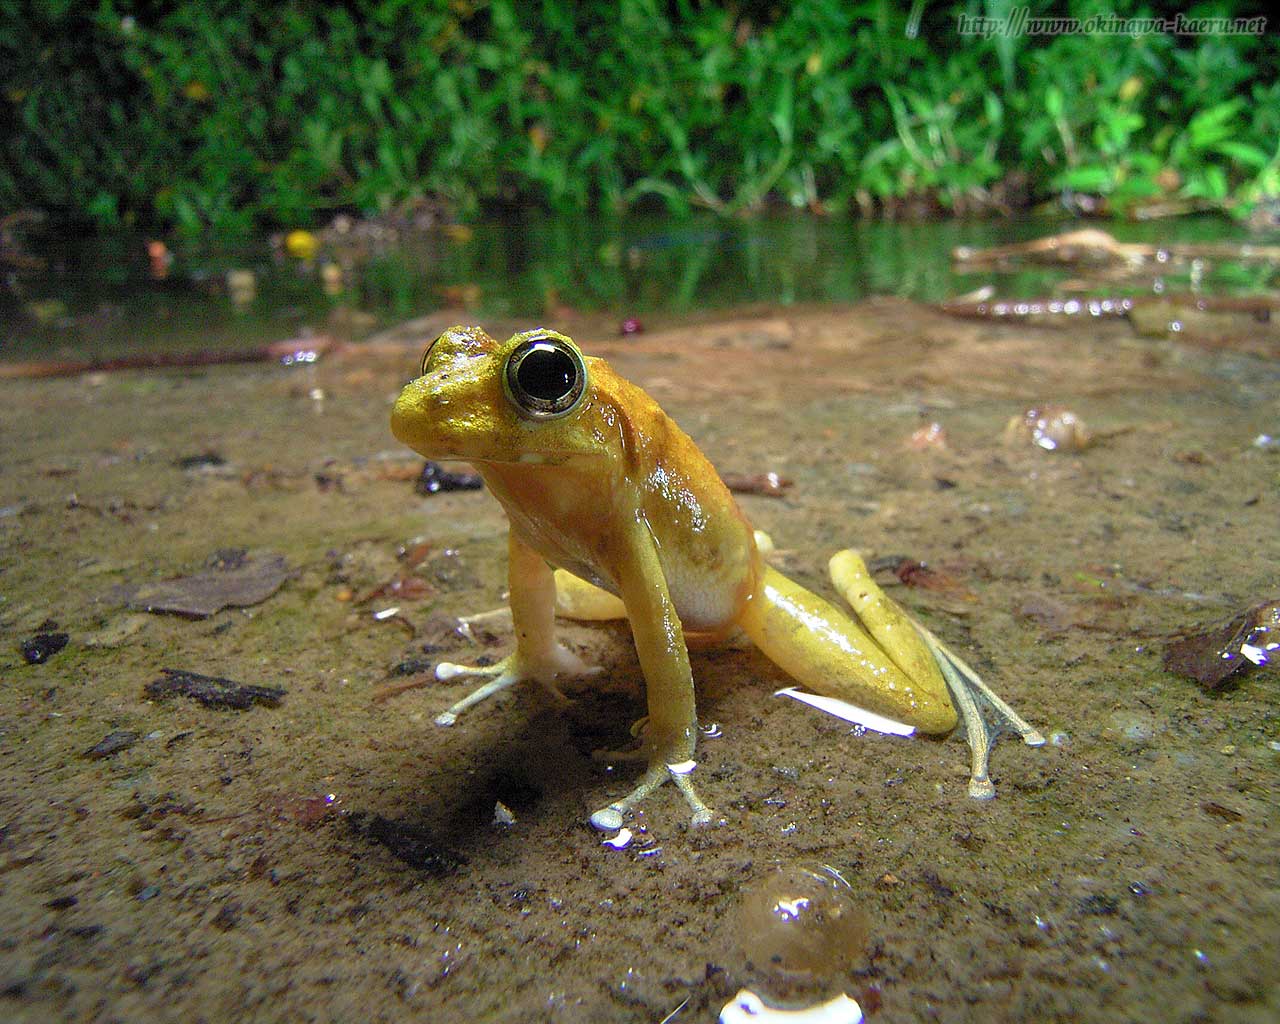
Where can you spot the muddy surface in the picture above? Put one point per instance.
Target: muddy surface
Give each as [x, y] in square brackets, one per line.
[333, 855]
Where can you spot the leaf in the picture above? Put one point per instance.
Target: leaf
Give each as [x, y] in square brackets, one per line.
[1243, 153]
[783, 112]
[1053, 102]
[1091, 178]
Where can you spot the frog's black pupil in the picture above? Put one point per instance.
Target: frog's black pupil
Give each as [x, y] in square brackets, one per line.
[546, 373]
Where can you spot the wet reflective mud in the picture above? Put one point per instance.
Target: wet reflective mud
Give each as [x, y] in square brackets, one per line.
[334, 855]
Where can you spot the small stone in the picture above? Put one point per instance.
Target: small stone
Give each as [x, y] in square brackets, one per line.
[38, 649]
[111, 744]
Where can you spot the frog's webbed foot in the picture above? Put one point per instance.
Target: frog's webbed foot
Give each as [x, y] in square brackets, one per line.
[556, 662]
[967, 689]
[611, 817]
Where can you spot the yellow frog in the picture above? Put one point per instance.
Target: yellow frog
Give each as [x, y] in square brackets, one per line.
[599, 482]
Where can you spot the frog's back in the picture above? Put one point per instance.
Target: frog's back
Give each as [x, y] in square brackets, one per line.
[705, 544]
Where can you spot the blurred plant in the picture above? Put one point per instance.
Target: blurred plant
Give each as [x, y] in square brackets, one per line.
[221, 116]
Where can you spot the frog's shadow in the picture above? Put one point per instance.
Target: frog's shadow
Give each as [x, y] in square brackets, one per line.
[524, 756]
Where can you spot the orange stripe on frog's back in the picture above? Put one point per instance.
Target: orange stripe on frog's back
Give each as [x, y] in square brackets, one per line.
[705, 544]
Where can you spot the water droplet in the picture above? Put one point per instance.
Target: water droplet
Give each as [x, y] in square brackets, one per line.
[801, 919]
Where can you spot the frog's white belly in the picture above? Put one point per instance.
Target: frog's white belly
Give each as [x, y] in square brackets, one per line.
[703, 602]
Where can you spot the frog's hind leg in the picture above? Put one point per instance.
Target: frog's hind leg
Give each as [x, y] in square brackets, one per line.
[885, 663]
[578, 599]
[884, 618]
[585, 602]
[826, 651]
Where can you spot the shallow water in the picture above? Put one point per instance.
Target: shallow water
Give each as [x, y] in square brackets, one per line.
[336, 857]
[96, 298]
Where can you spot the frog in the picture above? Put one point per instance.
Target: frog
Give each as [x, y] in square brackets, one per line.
[614, 512]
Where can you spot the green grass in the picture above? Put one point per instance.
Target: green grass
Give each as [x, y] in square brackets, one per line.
[222, 117]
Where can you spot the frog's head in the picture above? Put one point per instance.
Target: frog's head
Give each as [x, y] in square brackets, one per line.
[479, 400]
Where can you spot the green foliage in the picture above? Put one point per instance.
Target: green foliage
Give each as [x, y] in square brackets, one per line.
[220, 115]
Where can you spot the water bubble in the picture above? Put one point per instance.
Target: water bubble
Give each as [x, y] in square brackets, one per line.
[801, 919]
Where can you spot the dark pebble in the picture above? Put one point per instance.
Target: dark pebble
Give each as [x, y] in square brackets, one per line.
[228, 916]
[43, 646]
[435, 479]
[1098, 904]
[205, 460]
[413, 666]
[86, 932]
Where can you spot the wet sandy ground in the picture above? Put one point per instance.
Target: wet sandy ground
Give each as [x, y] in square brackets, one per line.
[336, 858]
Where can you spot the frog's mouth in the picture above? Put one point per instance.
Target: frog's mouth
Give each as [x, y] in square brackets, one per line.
[413, 424]
[534, 459]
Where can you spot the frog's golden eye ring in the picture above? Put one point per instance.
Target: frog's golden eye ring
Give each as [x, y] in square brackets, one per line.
[545, 378]
[427, 355]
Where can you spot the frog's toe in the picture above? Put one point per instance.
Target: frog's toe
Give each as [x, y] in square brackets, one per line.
[611, 817]
[608, 819]
[702, 814]
[543, 669]
[504, 675]
[967, 688]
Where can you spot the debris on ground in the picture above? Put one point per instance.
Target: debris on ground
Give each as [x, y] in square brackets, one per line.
[1050, 427]
[38, 649]
[232, 578]
[435, 479]
[201, 462]
[212, 691]
[771, 485]
[414, 844]
[402, 588]
[1214, 655]
[912, 573]
[112, 743]
[388, 690]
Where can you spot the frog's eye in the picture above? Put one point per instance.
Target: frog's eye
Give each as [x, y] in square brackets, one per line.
[427, 355]
[545, 377]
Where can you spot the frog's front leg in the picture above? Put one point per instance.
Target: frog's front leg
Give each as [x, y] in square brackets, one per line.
[538, 656]
[671, 730]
